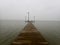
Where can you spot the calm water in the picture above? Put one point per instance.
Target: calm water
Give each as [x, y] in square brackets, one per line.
[10, 29]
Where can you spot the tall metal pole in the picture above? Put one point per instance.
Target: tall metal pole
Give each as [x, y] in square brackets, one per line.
[34, 18]
[25, 18]
[28, 16]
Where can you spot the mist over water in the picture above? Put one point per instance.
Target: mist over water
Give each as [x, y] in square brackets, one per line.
[9, 30]
[50, 30]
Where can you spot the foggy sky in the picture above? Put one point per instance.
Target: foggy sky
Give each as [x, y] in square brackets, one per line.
[41, 9]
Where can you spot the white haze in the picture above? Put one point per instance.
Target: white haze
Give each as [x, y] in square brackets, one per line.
[41, 9]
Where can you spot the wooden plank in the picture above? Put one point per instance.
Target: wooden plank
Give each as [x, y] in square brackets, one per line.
[30, 35]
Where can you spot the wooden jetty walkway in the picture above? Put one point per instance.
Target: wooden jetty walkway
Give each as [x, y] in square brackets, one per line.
[29, 36]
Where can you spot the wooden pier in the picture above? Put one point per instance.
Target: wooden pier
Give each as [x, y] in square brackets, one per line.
[29, 36]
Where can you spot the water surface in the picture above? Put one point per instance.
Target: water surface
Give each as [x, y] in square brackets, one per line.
[9, 30]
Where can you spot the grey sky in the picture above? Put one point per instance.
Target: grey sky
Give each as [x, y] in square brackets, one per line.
[42, 9]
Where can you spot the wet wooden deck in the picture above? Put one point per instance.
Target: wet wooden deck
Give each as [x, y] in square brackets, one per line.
[30, 36]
